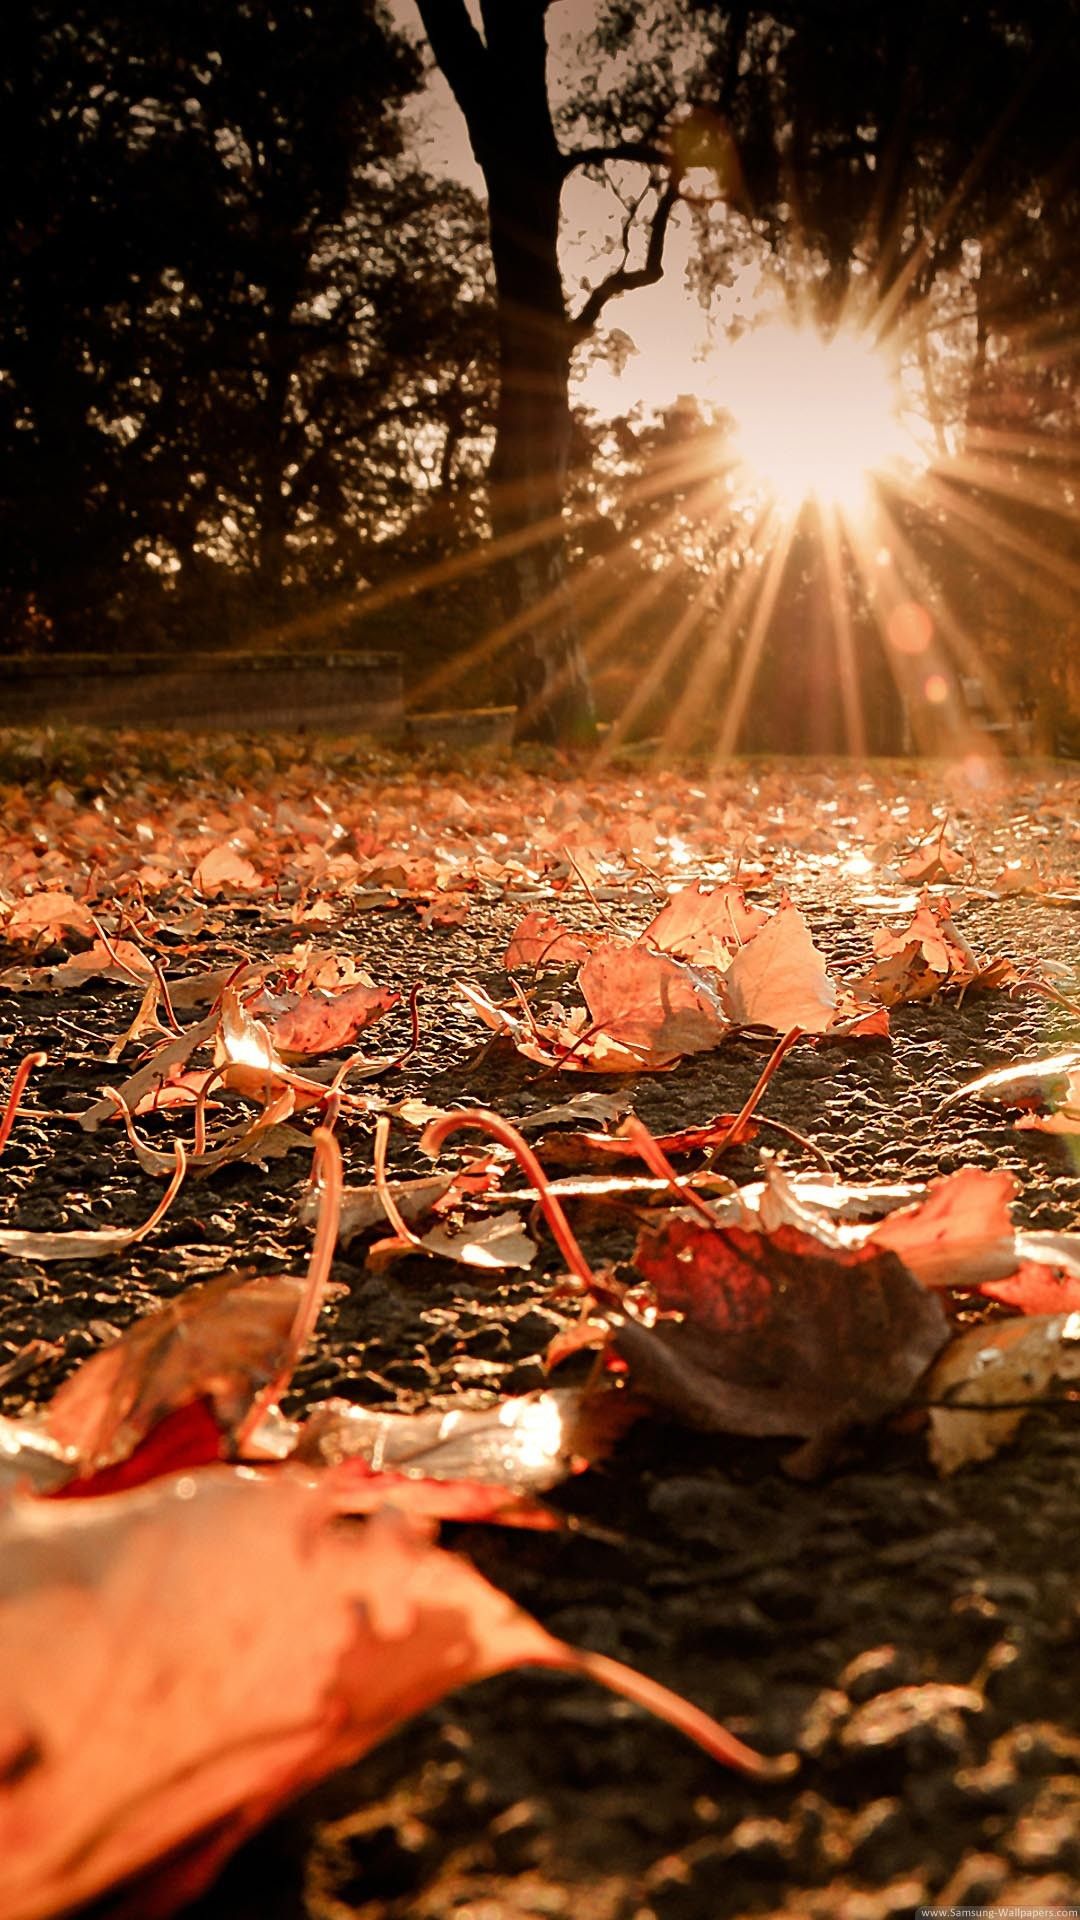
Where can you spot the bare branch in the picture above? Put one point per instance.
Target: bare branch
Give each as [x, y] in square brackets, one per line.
[644, 150]
[627, 279]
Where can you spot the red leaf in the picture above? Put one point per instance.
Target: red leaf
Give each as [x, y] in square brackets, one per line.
[218, 1344]
[188, 1437]
[1035, 1288]
[778, 1334]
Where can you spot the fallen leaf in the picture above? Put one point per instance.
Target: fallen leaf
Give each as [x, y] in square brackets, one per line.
[362, 1208]
[120, 962]
[465, 1465]
[935, 861]
[496, 1243]
[1037, 1287]
[326, 1022]
[599, 1149]
[443, 910]
[775, 1333]
[91, 1243]
[570, 1048]
[54, 911]
[927, 955]
[598, 1107]
[1066, 1118]
[651, 1002]
[959, 1234]
[278, 1648]
[222, 870]
[154, 1073]
[1027, 1083]
[1019, 876]
[705, 925]
[220, 1342]
[539, 940]
[779, 979]
[989, 1377]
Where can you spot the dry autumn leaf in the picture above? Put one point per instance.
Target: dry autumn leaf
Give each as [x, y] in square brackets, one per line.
[539, 940]
[467, 1465]
[779, 979]
[705, 925]
[92, 1243]
[320, 1022]
[291, 1647]
[775, 1333]
[988, 1377]
[651, 1003]
[1027, 1083]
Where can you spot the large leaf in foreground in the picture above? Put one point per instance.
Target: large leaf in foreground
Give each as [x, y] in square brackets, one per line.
[776, 1333]
[183, 1659]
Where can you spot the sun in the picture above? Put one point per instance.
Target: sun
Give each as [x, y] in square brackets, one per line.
[815, 418]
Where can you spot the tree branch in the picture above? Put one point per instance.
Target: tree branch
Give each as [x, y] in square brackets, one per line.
[461, 54]
[644, 150]
[626, 279]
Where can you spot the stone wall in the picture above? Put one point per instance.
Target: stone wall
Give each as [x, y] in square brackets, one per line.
[332, 693]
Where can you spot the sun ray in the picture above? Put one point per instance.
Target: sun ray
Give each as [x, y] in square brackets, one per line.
[843, 635]
[739, 698]
[653, 679]
[693, 702]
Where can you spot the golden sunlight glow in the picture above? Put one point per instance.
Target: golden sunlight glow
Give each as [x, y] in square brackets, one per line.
[815, 418]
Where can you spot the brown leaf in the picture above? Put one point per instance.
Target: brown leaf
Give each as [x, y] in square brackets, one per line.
[650, 1002]
[777, 1334]
[326, 1022]
[779, 979]
[220, 1341]
[1028, 1083]
[223, 870]
[705, 925]
[989, 1376]
[539, 940]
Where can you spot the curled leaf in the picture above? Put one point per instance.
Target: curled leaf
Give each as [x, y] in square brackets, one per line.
[91, 1243]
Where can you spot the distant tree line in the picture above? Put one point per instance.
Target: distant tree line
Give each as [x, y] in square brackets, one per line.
[258, 369]
[244, 343]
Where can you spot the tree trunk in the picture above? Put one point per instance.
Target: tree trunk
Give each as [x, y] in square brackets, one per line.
[500, 83]
[529, 466]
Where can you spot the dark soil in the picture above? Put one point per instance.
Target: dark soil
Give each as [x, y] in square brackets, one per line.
[915, 1639]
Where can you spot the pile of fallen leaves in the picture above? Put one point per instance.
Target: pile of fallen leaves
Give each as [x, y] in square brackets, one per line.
[794, 1307]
